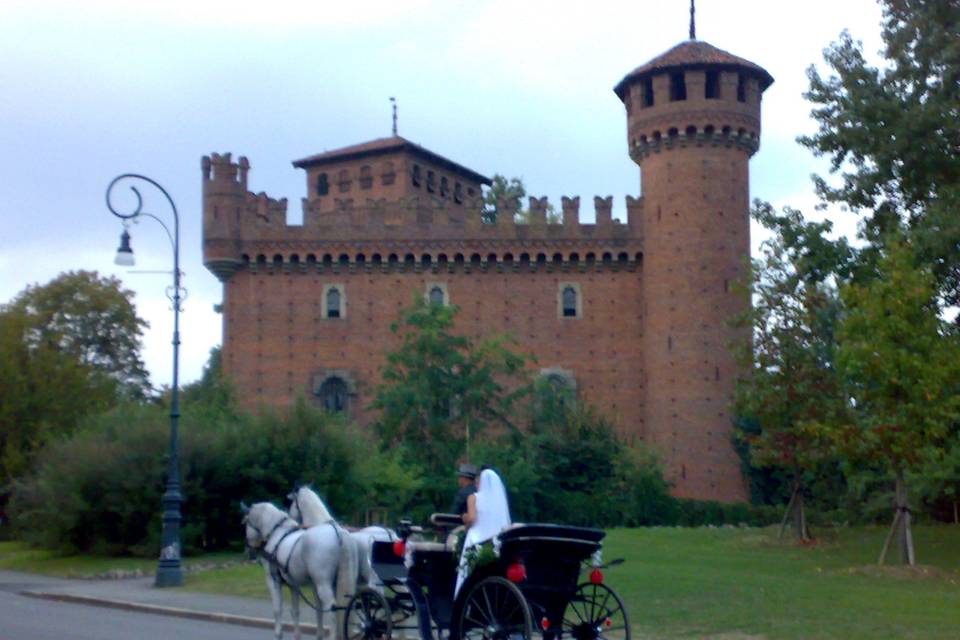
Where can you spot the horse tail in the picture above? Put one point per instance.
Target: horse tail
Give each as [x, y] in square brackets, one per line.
[347, 568]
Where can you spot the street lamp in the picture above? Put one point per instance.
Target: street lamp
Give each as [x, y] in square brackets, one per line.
[169, 571]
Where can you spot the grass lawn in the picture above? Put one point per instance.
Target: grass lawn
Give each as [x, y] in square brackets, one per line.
[730, 584]
[743, 583]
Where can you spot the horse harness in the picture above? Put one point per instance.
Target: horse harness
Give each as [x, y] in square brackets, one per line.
[279, 570]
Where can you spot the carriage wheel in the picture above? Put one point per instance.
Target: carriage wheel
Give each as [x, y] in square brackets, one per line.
[596, 612]
[368, 617]
[495, 609]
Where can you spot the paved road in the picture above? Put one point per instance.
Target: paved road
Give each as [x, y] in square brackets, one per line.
[23, 618]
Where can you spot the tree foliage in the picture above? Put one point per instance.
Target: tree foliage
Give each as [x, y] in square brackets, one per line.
[792, 394]
[442, 389]
[891, 132]
[901, 363]
[67, 349]
[503, 198]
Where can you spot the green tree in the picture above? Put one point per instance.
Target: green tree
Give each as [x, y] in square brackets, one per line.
[67, 349]
[892, 134]
[440, 390]
[792, 393]
[503, 198]
[901, 363]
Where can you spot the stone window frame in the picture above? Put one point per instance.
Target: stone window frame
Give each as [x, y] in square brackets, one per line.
[322, 376]
[323, 184]
[342, 290]
[366, 177]
[433, 285]
[561, 287]
[566, 376]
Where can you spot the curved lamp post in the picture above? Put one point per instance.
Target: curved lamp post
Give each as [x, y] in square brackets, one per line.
[169, 571]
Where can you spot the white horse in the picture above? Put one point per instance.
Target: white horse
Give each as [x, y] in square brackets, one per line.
[308, 509]
[320, 557]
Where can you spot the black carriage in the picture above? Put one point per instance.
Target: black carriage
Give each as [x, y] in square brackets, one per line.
[531, 584]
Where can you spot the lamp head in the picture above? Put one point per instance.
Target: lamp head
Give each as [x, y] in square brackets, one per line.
[124, 253]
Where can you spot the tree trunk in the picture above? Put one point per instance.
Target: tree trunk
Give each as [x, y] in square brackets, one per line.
[886, 541]
[901, 526]
[956, 520]
[796, 515]
[800, 517]
[787, 511]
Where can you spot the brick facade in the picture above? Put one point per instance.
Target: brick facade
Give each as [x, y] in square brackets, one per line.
[647, 340]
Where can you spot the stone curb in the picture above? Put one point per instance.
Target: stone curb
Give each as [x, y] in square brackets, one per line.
[227, 618]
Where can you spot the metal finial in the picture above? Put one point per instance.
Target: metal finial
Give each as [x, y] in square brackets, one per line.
[393, 101]
[693, 23]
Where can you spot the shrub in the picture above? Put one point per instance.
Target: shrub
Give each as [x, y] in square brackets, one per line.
[100, 489]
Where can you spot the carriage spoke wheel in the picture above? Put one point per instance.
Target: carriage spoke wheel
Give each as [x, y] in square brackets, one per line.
[495, 609]
[368, 617]
[596, 612]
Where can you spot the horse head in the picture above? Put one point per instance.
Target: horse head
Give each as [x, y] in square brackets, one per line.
[307, 508]
[261, 520]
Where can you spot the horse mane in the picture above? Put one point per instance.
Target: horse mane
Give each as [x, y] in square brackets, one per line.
[311, 507]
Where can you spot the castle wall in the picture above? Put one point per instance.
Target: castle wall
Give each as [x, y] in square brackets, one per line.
[278, 345]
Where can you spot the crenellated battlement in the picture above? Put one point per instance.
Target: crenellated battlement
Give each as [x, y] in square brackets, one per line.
[260, 217]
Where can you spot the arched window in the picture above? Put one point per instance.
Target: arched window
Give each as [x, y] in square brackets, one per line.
[444, 188]
[569, 302]
[431, 182]
[333, 302]
[344, 181]
[366, 177]
[323, 184]
[389, 175]
[556, 389]
[458, 193]
[436, 295]
[415, 176]
[678, 87]
[333, 395]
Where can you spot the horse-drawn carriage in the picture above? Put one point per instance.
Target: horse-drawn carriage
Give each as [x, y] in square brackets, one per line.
[526, 582]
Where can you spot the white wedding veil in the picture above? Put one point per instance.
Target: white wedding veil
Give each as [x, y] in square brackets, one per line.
[493, 516]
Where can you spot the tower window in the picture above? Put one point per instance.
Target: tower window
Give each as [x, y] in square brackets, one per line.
[344, 181]
[569, 303]
[741, 88]
[568, 300]
[436, 295]
[678, 87]
[334, 303]
[712, 87]
[648, 92]
[415, 176]
[444, 188]
[333, 395]
[458, 193]
[431, 182]
[389, 175]
[366, 177]
[323, 185]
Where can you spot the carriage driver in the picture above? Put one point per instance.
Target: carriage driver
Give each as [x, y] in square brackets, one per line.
[466, 478]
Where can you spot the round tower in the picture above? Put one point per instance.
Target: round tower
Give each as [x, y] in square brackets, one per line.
[693, 121]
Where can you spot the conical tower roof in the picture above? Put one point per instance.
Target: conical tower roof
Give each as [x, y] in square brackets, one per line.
[694, 54]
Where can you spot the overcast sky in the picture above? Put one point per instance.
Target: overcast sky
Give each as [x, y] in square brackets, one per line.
[92, 89]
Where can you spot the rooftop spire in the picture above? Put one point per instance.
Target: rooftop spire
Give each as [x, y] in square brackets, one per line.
[393, 101]
[693, 22]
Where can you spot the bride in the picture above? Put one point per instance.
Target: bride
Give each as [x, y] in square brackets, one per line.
[487, 515]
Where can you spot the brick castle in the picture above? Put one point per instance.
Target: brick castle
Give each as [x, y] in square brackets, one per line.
[632, 314]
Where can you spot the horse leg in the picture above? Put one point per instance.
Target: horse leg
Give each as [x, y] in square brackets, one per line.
[295, 612]
[276, 597]
[325, 601]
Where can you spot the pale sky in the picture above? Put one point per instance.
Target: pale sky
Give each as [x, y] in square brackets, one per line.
[97, 88]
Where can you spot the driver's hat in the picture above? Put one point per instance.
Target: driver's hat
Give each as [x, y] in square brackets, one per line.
[467, 470]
